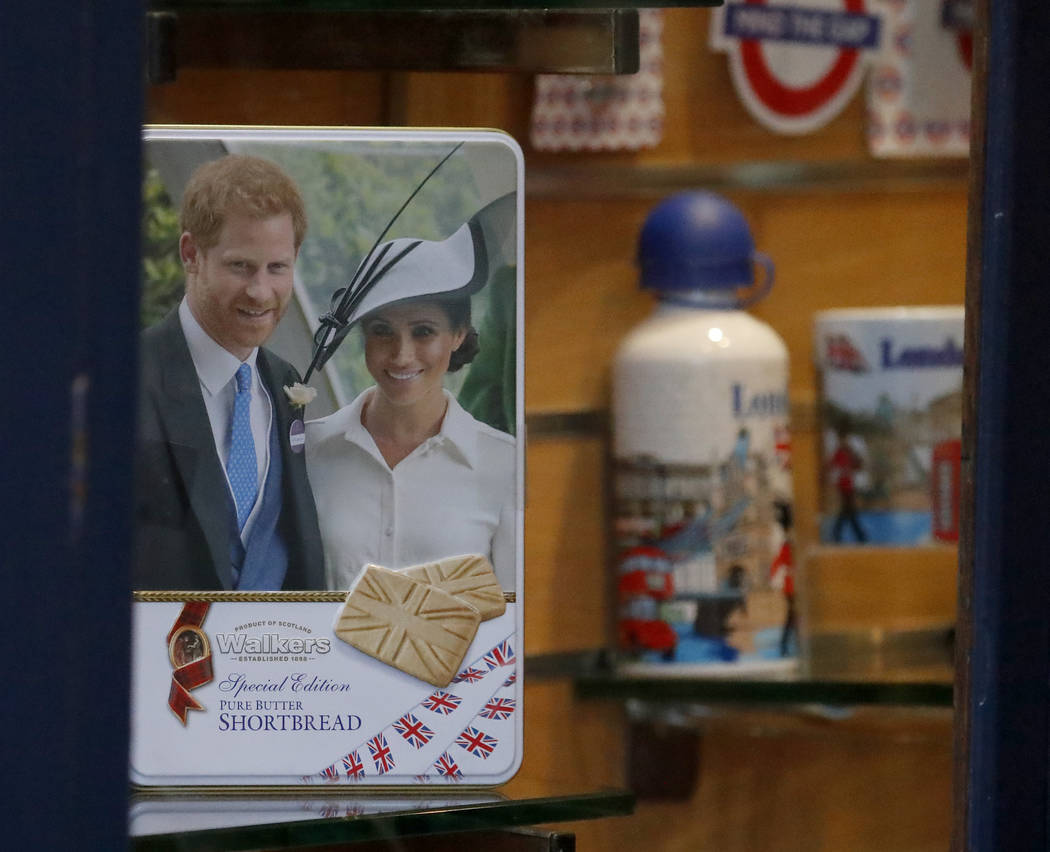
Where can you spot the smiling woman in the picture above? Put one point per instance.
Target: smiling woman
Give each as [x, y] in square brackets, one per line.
[404, 475]
[407, 352]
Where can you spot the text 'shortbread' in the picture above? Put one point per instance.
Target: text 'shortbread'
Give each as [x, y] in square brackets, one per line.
[408, 624]
[469, 578]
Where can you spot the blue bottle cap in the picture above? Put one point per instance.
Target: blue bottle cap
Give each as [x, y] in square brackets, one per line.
[698, 241]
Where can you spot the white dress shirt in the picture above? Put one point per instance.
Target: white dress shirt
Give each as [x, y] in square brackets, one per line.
[217, 368]
[454, 494]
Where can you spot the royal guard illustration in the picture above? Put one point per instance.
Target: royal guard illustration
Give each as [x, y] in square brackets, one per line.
[782, 575]
[843, 466]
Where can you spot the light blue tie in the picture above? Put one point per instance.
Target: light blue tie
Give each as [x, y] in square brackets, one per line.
[240, 466]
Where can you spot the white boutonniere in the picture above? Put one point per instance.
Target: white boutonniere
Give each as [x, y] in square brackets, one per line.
[300, 394]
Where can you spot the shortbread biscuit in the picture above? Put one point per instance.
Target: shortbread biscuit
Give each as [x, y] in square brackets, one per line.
[469, 578]
[412, 626]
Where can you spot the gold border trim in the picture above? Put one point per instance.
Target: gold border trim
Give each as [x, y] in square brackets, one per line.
[328, 789]
[256, 597]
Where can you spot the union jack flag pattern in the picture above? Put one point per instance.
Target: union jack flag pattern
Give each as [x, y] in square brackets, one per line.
[478, 743]
[442, 702]
[353, 766]
[501, 655]
[381, 755]
[330, 773]
[420, 744]
[499, 718]
[471, 674]
[414, 732]
[446, 766]
[497, 708]
[338, 811]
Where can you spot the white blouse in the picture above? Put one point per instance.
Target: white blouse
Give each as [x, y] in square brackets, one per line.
[454, 494]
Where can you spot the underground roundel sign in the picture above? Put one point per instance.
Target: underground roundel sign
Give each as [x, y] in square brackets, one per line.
[796, 63]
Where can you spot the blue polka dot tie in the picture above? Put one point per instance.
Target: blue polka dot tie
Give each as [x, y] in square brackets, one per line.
[240, 466]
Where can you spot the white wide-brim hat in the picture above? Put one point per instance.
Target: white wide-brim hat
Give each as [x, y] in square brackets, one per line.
[408, 269]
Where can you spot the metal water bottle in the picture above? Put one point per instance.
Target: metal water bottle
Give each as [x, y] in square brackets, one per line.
[702, 480]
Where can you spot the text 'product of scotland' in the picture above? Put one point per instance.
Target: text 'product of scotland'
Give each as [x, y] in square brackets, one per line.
[703, 496]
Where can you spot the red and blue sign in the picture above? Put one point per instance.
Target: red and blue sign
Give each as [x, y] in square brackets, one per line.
[796, 64]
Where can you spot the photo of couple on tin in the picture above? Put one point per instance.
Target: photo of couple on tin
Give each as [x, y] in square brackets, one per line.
[404, 473]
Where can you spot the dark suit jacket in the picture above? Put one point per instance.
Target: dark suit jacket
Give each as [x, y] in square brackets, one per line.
[183, 504]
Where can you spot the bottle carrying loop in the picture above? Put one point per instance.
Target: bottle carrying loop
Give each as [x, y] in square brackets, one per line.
[759, 290]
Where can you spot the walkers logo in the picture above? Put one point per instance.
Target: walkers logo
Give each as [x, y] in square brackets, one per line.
[271, 643]
[259, 642]
[841, 354]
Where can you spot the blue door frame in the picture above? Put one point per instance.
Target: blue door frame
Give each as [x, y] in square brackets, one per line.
[71, 98]
[1003, 664]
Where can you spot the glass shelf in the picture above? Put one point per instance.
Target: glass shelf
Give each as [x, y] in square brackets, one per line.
[905, 668]
[408, 5]
[345, 36]
[783, 690]
[203, 820]
[615, 180]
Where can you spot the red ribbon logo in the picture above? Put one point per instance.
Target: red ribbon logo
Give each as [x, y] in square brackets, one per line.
[190, 654]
